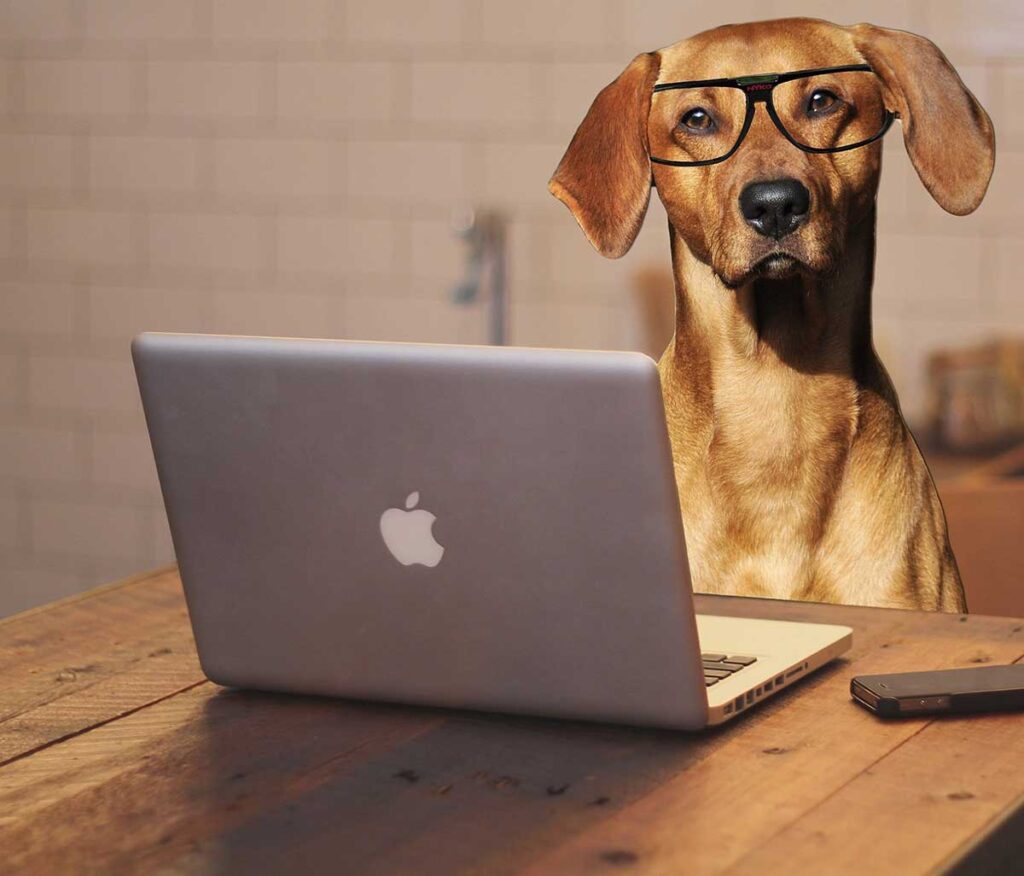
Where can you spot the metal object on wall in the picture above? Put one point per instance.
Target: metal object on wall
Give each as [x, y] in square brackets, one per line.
[486, 267]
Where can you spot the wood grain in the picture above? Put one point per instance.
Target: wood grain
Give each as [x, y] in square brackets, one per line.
[138, 765]
[91, 659]
[788, 760]
[927, 796]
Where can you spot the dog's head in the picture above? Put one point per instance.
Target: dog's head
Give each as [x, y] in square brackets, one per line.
[771, 209]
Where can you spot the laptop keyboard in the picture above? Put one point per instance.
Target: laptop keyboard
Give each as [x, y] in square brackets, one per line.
[719, 666]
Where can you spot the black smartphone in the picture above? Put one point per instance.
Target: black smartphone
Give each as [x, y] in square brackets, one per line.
[942, 691]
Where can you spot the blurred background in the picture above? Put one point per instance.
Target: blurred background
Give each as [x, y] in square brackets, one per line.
[347, 168]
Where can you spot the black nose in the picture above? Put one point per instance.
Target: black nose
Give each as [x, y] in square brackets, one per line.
[775, 208]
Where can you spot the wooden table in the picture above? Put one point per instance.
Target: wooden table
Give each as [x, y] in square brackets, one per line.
[116, 755]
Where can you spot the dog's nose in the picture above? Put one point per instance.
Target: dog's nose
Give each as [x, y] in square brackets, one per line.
[775, 208]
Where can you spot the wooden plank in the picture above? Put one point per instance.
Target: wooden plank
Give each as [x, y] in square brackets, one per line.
[476, 794]
[211, 778]
[911, 809]
[100, 624]
[164, 672]
[143, 791]
[788, 761]
[182, 776]
[484, 794]
[997, 849]
[86, 660]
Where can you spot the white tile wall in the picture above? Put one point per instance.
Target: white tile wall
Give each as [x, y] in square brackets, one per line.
[292, 166]
[578, 23]
[205, 240]
[38, 308]
[208, 88]
[38, 161]
[273, 21]
[412, 24]
[9, 391]
[75, 87]
[138, 20]
[122, 164]
[36, 453]
[336, 91]
[499, 95]
[79, 236]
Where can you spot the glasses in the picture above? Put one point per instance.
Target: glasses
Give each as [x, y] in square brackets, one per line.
[831, 109]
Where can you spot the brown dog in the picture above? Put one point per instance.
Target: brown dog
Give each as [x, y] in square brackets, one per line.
[797, 475]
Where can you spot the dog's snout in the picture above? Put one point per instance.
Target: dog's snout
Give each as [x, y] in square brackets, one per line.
[775, 208]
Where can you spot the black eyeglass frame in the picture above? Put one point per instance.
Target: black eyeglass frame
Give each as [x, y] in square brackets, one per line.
[758, 89]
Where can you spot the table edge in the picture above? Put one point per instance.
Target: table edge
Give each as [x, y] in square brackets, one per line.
[89, 593]
[773, 606]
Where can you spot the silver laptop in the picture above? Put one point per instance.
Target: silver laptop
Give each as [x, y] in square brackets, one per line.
[473, 527]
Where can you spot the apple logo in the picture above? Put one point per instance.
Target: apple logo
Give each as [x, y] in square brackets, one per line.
[407, 534]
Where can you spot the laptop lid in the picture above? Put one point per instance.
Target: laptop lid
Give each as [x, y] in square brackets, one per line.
[479, 527]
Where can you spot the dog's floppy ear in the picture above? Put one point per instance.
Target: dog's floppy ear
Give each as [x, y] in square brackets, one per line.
[948, 135]
[605, 175]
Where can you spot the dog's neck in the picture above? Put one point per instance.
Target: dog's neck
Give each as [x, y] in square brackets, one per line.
[780, 365]
[813, 326]
[809, 324]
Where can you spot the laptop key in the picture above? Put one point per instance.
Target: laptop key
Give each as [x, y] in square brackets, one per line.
[742, 661]
[716, 673]
[722, 667]
[710, 681]
[713, 658]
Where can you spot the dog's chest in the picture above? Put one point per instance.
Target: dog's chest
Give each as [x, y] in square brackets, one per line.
[772, 467]
[778, 430]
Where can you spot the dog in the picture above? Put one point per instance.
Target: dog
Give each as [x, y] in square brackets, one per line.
[798, 477]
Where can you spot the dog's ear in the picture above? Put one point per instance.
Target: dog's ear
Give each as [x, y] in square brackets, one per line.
[948, 135]
[605, 175]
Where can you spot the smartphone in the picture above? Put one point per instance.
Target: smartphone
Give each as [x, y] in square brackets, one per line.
[942, 691]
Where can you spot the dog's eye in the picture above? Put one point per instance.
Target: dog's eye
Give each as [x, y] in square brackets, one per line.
[698, 120]
[821, 101]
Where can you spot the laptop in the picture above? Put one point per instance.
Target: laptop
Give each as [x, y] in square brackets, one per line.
[484, 528]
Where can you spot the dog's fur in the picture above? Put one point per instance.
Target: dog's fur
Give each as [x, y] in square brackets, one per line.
[797, 475]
